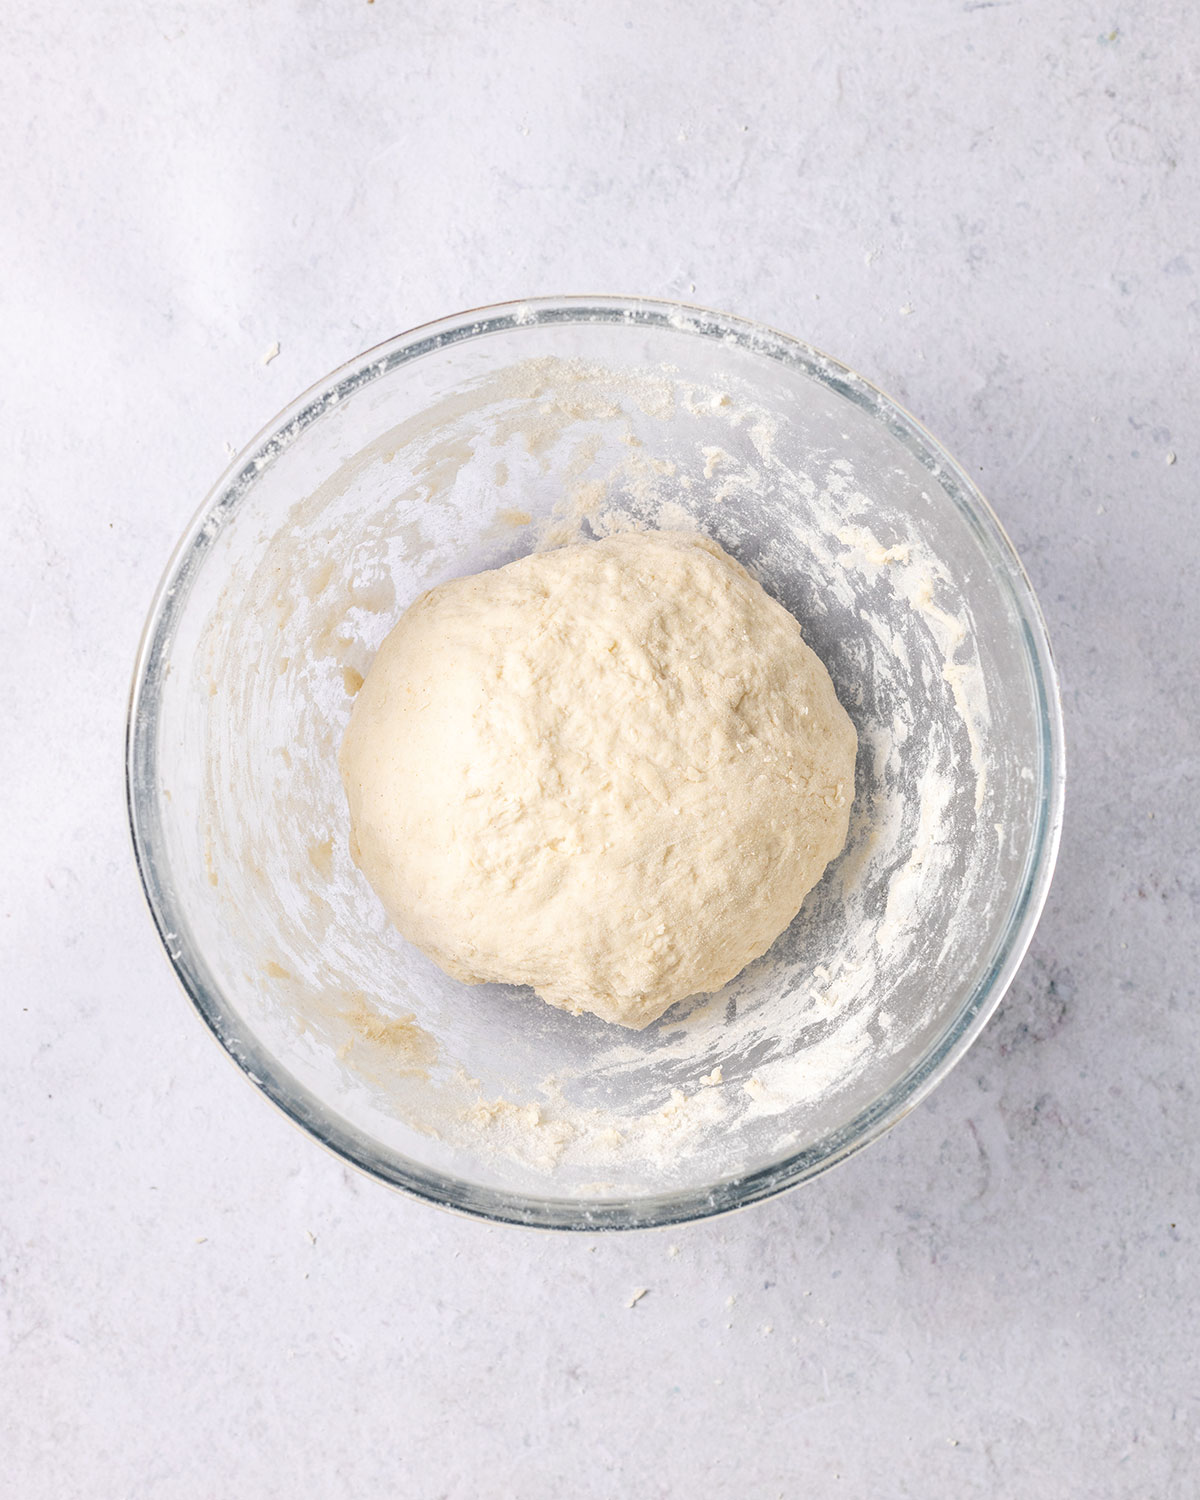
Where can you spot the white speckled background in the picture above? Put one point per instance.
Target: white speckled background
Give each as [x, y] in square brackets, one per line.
[991, 208]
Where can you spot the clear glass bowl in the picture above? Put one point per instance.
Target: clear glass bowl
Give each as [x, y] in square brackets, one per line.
[457, 447]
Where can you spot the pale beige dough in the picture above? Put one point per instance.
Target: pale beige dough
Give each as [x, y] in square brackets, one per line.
[612, 772]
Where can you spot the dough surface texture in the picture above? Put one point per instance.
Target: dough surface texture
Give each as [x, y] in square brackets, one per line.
[612, 772]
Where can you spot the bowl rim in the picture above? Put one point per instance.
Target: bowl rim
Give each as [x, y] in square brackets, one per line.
[297, 1102]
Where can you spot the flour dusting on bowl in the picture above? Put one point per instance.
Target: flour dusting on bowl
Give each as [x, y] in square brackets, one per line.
[531, 434]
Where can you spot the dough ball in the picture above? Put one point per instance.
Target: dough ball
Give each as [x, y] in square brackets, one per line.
[612, 772]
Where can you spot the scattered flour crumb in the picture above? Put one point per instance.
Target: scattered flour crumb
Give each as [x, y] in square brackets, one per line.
[272, 353]
[713, 458]
[638, 1294]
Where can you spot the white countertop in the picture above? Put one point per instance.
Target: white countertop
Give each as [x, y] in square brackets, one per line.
[990, 208]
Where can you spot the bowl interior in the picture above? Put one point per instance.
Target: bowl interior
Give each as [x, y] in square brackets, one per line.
[457, 449]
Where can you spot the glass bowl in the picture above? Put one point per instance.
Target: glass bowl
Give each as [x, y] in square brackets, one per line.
[458, 447]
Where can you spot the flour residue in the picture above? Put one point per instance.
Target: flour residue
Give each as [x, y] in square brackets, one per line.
[497, 1087]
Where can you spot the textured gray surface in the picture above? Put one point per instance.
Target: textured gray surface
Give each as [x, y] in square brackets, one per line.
[989, 208]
